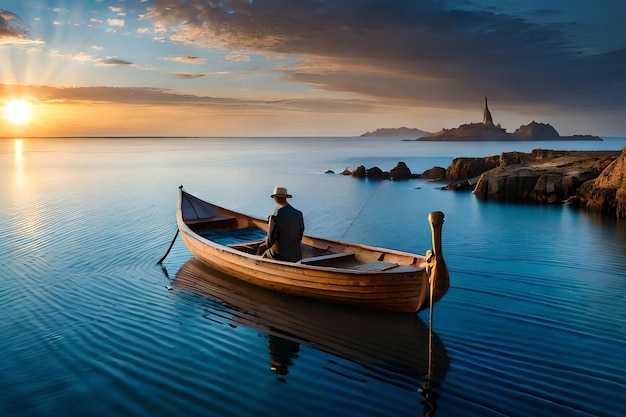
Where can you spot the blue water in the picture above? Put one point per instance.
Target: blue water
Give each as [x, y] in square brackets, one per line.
[533, 325]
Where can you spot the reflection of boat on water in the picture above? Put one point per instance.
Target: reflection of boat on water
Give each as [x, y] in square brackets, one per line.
[372, 338]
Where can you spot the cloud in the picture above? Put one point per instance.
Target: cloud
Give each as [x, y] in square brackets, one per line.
[165, 97]
[422, 52]
[12, 31]
[113, 62]
[116, 22]
[237, 57]
[187, 59]
[189, 75]
[79, 56]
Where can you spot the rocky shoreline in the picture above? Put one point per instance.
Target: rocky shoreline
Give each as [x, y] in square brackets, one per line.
[593, 180]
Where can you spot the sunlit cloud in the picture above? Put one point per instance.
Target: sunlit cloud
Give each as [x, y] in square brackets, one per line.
[166, 97]
[187, 59]
[116, 22]
[20, 41]
[237, 57]
[79, 56]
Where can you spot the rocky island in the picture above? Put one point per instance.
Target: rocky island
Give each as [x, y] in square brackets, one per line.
[488, 131]
[399, 132]
[479, 132]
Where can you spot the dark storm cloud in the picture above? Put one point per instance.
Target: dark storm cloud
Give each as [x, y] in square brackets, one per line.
[423, 51]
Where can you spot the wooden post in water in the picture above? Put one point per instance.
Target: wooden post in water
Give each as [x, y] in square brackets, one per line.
[436, 270]
[439, 277]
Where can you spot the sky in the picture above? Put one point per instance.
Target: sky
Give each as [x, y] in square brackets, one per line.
[309, 67]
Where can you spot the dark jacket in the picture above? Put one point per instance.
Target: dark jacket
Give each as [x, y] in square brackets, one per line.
[285, 232]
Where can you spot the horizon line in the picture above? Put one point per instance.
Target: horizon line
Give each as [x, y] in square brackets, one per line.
[224, 136]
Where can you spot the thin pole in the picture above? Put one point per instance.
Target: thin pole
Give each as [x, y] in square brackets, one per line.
[431, 278]
[168, 249]
[429, 405]
[430, 327]
[437, 272]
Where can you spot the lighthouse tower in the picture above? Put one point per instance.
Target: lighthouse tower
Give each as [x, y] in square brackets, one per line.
[487, 120]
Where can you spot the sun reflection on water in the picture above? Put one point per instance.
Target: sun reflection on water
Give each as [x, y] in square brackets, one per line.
[19, 162]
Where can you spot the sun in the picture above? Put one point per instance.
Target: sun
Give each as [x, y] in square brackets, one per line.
[17, 111]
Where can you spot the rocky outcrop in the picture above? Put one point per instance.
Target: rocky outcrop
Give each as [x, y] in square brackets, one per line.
[594, 179]
[433, 174]
[535, 130]
[360, 172]
[470, 132]
[607, 193]
[463, 168]
[376, 173]
[488, 132]
[542, 176]
[400, 172]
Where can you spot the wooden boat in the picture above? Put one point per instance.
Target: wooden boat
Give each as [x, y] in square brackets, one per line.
[331, 270]
[394, 345]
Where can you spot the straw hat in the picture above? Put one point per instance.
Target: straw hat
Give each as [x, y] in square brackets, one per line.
[281, 192]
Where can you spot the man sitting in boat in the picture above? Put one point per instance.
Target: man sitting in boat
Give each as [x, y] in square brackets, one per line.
[286, 227]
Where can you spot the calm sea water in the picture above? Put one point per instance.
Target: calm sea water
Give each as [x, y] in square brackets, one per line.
[533, 325]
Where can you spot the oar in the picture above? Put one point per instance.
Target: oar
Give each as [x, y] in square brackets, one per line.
[168, 249]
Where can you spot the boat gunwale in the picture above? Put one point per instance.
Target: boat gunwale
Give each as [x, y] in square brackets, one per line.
[403, 289]
[416, 259]
[298, 265]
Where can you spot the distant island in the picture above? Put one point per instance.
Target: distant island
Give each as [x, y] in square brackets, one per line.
[399, 132]
[485, 131]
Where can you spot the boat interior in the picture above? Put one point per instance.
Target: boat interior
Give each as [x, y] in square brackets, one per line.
[226, 231]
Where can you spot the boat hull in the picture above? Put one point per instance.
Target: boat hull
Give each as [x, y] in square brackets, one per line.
[400, 283]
